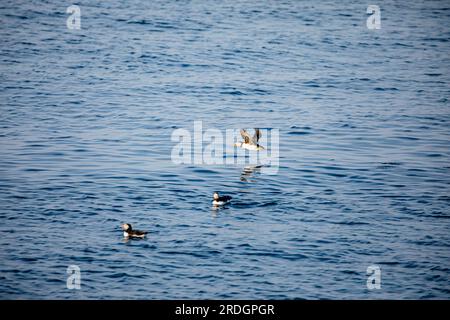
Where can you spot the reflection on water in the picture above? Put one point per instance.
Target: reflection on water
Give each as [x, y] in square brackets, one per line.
[249, 172]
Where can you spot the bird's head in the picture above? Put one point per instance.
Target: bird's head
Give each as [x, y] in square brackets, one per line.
[126, 227]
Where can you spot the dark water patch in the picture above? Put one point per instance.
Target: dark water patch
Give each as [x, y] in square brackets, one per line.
[298, 133]
[408, 138]
[233, 92]
[34, 169]
[204, 171]
[385, 89]
[199, 254]
[268, 204]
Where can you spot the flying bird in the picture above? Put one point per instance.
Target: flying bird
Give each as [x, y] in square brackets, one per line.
[250, 143]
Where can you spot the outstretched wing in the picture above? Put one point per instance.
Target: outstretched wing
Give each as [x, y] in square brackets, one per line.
[246, 136]
[257, 135]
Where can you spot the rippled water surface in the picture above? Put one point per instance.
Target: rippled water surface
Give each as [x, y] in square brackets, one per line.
[86, 118]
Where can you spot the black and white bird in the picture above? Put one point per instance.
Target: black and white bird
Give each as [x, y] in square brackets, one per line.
[128, 232]
[219, 201]
[250, 143]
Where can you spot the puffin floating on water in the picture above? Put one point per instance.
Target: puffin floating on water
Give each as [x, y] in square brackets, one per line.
[128, 232]
[219, 201]
[250, 143]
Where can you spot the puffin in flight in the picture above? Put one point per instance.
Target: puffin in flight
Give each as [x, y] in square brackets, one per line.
[250, 143]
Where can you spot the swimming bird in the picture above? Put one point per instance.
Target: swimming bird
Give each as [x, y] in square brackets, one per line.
[250, 143]
[128, 232]
[219, 201]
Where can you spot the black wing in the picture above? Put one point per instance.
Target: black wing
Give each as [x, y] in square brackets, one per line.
[257, 135]
[225, 198]
[139, 233]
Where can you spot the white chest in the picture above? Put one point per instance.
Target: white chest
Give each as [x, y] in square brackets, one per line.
[249, 146]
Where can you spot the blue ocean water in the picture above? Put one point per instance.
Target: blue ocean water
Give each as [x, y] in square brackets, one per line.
[86, 118]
